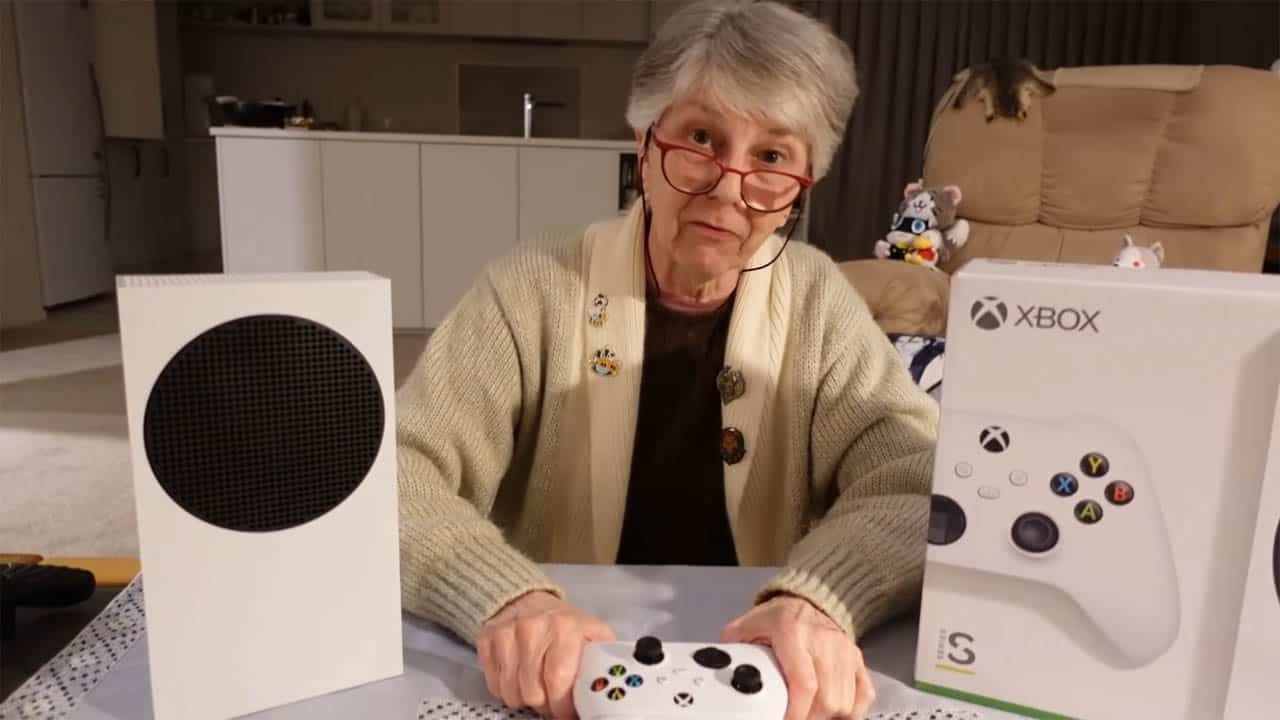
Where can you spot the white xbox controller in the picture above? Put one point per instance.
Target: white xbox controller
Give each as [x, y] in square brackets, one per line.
[650, 680]
[1066, 506]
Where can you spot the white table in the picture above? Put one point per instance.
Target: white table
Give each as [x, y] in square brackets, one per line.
[672, 603]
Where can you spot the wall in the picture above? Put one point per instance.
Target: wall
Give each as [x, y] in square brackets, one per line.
[20, 289]
[412, 82]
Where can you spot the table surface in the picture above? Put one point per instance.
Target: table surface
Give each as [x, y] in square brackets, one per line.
[675, 603]
[40, 633]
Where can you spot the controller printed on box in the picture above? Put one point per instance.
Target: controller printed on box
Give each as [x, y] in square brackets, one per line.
[1103, 439]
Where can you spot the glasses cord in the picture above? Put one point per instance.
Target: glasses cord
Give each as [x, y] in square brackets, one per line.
[648, 258]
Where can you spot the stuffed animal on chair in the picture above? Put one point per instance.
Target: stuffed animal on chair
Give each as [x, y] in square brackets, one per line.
[925, 229]
[1136, 256]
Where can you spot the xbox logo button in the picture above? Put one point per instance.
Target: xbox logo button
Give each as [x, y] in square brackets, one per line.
[988, 313]
[994, 439]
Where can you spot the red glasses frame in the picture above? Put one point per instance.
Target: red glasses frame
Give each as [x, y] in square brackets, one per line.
[664, 146]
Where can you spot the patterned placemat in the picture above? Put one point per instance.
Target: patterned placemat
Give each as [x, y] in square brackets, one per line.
[430, 709]
[62, 683]
[59, 686]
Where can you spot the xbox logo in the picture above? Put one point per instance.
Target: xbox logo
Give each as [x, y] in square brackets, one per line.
[994, 438]
[988, 313]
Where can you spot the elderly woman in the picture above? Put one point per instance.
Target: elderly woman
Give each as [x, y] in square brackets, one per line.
[678, 385]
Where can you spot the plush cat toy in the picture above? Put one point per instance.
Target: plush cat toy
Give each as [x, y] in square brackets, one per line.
[1136, 256]
[925, 228]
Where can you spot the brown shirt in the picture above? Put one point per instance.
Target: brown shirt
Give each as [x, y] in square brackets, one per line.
[675, 512]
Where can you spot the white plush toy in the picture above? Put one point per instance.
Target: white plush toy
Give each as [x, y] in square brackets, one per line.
[1136, 256]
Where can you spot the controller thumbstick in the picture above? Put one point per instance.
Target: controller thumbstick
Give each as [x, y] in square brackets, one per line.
[648, 651]
[746, 679]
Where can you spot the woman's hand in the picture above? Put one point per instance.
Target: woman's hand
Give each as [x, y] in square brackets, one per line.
[821, 664]
[530, 651]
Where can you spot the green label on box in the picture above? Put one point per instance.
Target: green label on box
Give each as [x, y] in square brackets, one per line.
[990, 702]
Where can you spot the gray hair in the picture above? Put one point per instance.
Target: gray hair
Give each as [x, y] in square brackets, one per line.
[761, 59]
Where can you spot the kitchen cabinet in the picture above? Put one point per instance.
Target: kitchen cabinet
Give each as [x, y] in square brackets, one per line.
[628, 21]
[428, 212]
[562, 187]
[165, 181]
[270, 196]
[659, 11]
[372, 218]
[346, 14]
[204, 232]
[145, 207]
[489, 18]
[406, 16]
[413, 15]
[469, 206]
[172, 92]
[137, 69]
[128, 225]
[126, 64]
[552, 19]
[616, 20]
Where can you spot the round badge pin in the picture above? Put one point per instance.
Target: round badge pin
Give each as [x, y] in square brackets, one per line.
[733, 447]
[731, 384]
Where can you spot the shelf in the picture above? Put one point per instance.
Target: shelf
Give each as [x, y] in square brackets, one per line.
[302, 134]
[397, 35]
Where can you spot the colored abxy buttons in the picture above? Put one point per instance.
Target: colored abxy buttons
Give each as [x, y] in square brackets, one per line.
[1095, 465]
[1064, 484]
[1088, 512]
[1119, 492]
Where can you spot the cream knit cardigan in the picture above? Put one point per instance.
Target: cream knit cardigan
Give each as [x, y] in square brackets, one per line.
[513, 451]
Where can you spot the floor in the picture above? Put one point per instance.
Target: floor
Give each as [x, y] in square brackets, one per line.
[64, 451]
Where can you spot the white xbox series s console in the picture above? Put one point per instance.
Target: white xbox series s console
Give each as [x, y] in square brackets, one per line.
[261, 421]
[1103, 438]
[1251, 694]
[650, 680]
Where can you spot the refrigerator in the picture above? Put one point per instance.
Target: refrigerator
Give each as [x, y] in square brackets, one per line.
[66, 148]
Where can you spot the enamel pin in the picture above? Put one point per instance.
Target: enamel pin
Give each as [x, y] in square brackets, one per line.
[599, 311]
[604, 362]
[731, 384]
[733, 447]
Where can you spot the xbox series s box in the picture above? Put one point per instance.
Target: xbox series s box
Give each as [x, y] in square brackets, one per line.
[1103, 442]
[1251, 693]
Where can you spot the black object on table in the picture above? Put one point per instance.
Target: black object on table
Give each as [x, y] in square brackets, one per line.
[40, 586]
[56, 604]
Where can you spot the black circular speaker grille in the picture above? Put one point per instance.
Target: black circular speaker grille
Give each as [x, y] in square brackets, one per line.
[1275, 558]
[263, 423]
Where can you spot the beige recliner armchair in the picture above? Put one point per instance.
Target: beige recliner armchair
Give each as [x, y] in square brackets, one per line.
[1185, 155]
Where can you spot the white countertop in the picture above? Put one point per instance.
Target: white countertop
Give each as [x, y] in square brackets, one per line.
[302, 134]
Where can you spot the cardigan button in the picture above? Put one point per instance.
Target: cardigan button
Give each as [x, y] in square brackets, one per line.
[732, 445]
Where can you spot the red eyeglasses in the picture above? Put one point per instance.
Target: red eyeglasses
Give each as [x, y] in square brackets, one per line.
[694, 172]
